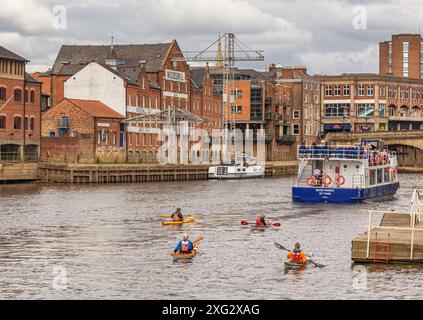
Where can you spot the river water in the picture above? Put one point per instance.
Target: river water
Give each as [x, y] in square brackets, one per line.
[107, 242]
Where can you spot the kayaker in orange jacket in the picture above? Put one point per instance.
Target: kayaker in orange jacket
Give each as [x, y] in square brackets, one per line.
[297, 255]
[177, 215]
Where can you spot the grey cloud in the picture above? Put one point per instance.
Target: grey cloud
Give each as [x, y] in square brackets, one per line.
[318, 33]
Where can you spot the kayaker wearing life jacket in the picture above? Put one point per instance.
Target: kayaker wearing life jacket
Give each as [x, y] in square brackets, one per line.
[297, 255]
[177, 215]
[261, 221]
[184, 246]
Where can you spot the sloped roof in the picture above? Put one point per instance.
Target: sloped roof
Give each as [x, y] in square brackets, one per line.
[7, 54]
[96, 108]
[197, 76]
[31, 79]
[127, 56]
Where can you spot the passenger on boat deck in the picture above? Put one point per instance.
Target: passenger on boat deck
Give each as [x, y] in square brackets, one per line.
[177, 215]
[184, 246]
[297, 255]
[261, 221]
[318, 175]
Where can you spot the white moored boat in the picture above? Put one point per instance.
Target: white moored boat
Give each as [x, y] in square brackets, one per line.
[241, 169]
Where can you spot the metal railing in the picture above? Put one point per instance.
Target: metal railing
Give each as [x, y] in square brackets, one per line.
[326, 152]
[415, 213]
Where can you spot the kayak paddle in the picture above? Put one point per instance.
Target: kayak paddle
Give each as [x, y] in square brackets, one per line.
[246, 223]
[281, 247]
[198, 240]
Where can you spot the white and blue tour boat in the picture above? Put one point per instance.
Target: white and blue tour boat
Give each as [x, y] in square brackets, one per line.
[345, 174]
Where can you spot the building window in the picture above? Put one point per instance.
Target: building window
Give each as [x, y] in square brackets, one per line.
[32, 96]
[2, 122]
[370, 90]
[296, 114]
[17, 124]
[405, 51]
[26, 123]
[360, 90]
[296, 129]
[328, 91]
[2, 94]
[32, 124]
[365, 110]
[382, 108]
[26, 95]
[390, 58]
[337, 91]
[337, 110]
[392, 111]
[236, 109]
[306, 98]
[18, 95]
[347, 91]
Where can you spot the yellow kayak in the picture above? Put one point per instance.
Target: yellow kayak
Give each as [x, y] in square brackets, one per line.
[175, 223]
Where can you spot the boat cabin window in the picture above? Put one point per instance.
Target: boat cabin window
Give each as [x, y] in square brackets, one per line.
[387, 175]
[380, 176]
[372, 177]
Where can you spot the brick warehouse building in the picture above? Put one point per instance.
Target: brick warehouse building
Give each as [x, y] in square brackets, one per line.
[20, 107]
[301, 113]
[402, 56]
[258, 105]
[82, 130]
[142, 80]
[371, 102]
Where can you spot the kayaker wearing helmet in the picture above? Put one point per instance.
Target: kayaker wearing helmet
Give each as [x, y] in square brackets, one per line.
[261, 221]
[177, 215]
[297, 255]
[184, 246]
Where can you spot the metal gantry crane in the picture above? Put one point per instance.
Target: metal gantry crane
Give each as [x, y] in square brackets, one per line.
[233, 50]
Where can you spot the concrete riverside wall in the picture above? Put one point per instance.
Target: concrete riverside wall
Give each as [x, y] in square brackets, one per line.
[25, 171]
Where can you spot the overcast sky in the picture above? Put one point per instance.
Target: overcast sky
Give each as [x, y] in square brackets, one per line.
[317, 33]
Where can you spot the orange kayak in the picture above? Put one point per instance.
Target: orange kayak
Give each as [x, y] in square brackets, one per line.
[186, 256]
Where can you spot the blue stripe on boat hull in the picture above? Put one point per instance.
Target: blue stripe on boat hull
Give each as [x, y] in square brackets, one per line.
[342, 195]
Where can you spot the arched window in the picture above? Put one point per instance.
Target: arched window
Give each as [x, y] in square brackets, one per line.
[26, 123]
[17, 124]
[2, 94]
[32, 97]
[2, 122]
[404, 111]
[26, 95]
[32, 124]
[18, 95]
[392, 111]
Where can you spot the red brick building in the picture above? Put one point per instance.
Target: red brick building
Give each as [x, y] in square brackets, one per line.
[302, 111]
[205, 101]
[371, 102]
[82, 131]
[402, 56]
[20, 107]
[137, 81]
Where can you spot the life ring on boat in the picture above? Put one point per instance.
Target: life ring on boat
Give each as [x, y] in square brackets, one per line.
[340, 181]
[327, 180]
[311, 181]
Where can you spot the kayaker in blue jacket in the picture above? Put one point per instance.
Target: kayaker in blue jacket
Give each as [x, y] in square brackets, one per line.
[184, 246]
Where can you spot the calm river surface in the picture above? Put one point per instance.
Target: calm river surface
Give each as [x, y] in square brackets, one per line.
[109, 242]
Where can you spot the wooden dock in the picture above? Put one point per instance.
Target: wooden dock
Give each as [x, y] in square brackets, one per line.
[396, 239]
[136, 173]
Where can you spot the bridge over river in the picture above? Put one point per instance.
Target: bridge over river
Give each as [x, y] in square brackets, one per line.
[407, 144]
